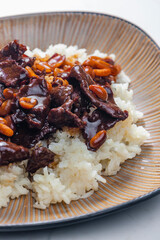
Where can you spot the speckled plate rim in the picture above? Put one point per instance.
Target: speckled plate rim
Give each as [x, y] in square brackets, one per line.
[90, 216]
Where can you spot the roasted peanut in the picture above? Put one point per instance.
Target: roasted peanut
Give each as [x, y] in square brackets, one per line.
[115, 70]
[31, 72]
[5, 130]
[8, 93]
[98, 139]
[57, 70]
[3, 121]
[96, 58]
[49, 86]
[102, 72]
[67, 67]
[9, 122]
[68, 62]
[65, 83]
[101, 64]
[90, 62]
[43, 66]
[89, 70]
[27, 103]
[5, 107]
[99, 91]
[109, 60]
[56, 61]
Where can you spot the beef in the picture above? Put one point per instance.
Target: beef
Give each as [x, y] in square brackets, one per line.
[59, 93]
[40, 158]
[10, 152]
[62, 116]
[26, 61]
[19, 116]
[13, 50]
[37, 89]
[80, 102]
[32, 136]
[85, 80]
[12, 64]
[11, 74]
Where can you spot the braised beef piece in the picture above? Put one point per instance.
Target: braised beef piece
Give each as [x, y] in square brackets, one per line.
[26, 61]
[62, 116]
[13, 50]
[85, 80]
[19, 116]
[59, 93]
[32, 136]
[40, 158]
[10, 153]
[11, 74]
[80, 102]
[37, 89]
[12, 64]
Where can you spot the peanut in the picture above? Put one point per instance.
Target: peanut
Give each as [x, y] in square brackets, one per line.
[5, 107]
[99, 91]
[43, 66]
[102, 72]
[27, 103]
[30, 72]
[98, 139]
[2, 120]
[8, 93]
[5, 130]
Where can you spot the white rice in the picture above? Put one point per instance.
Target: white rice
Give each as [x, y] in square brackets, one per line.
[79, 171]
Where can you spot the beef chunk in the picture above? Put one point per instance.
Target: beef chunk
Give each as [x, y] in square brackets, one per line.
[32, 136]
[62, 116]
[40, 158]
[59, 93]
[11, 73]
[10, 153]
[80, 102]
[18, 117]
[85, 80]
[13, 50]
[26, 61]
[37, 89]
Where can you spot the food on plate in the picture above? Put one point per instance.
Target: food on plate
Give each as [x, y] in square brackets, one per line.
[66, 119]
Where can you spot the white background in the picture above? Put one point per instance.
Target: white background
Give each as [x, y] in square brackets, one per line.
[143, 220]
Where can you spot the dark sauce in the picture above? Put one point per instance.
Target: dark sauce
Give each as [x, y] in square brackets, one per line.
[66, 103]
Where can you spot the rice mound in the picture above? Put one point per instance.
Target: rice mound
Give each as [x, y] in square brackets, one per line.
[79, 170]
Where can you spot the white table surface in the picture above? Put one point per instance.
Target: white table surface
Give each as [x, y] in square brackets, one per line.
[143, 220]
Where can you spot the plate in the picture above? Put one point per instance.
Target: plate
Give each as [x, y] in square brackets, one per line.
[139, 56]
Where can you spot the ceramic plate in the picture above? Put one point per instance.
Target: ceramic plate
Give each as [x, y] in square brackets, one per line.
[139, 56]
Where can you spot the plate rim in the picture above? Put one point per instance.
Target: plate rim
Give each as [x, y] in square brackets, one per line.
[100, 213]
[78, 219]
